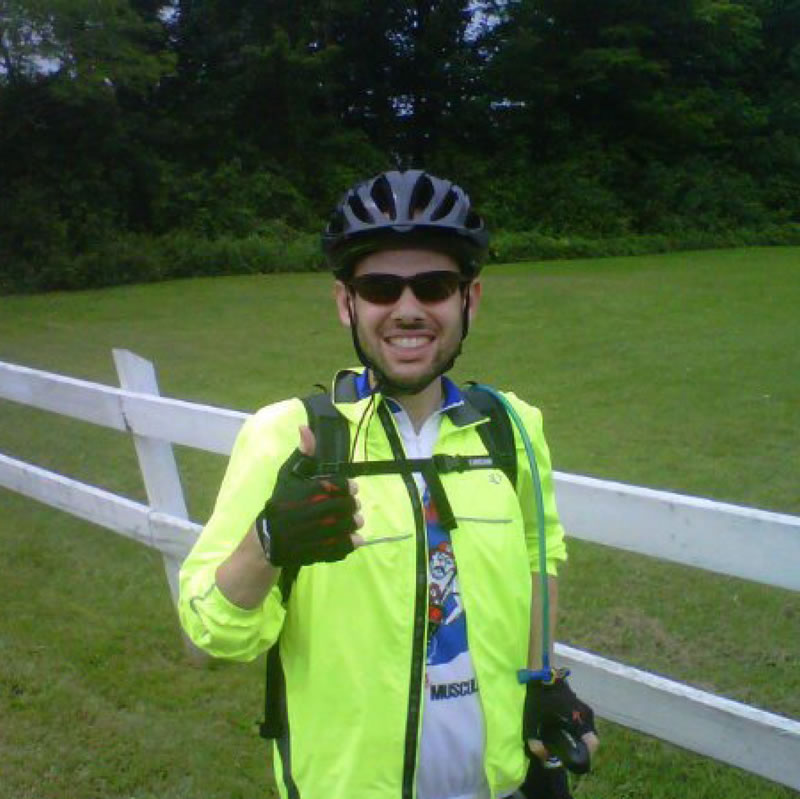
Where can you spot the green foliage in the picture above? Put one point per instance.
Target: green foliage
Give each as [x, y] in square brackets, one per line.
[275, 247]
[233, 202]
[138, 258]
[89, 47]
[704, 195]
[574, 195]
[538, 246]
[219, 120]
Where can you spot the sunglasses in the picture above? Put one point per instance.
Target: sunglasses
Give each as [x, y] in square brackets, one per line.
[428, 287]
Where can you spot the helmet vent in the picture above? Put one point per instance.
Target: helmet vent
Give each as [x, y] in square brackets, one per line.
[359, 209]
[445, 207]
[384, 197]
[473, 221]
[420, 197]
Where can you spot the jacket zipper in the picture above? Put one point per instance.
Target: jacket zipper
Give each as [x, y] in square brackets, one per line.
[420, 611]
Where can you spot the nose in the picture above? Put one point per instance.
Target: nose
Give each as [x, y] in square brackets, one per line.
[407, 306]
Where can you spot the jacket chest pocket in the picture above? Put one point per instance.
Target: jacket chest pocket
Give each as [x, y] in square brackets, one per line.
[484, 497]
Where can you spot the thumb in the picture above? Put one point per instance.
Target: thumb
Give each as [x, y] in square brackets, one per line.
[537, 748]
[308, 442]
[592, 741]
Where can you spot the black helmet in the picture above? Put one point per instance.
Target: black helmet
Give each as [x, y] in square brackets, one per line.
[404, 209]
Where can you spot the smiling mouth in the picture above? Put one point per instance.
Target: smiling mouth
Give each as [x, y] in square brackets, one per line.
[408, 342]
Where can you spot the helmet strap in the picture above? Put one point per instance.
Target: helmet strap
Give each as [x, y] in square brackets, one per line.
[465, 316]
[362, 356]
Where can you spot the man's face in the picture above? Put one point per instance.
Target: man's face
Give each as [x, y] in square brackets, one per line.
[408, 340]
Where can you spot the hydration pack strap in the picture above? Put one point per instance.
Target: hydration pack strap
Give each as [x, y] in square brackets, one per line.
[443, 464]
[429, 468]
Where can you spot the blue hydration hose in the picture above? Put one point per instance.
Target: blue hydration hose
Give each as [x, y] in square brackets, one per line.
[545, 673]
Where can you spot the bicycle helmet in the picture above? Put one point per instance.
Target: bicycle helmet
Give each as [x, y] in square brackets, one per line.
[404, 209]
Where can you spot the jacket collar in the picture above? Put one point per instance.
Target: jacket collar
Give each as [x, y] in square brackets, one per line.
[351, 392]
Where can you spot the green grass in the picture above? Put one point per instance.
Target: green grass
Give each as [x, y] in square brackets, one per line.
[679, 372]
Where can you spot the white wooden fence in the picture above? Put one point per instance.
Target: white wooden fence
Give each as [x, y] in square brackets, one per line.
[751, 544]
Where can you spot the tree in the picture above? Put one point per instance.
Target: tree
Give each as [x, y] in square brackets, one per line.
[88, 45]
[75, 162]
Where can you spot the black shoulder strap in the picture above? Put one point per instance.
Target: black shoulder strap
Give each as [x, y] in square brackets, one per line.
[497, 435]
[333, 446]
[330, 429]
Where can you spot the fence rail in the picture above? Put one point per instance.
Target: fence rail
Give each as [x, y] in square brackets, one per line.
[743, 542]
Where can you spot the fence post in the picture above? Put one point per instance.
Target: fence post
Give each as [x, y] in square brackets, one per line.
[162, 480]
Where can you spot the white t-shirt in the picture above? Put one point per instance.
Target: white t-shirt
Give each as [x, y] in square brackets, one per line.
[451, 750]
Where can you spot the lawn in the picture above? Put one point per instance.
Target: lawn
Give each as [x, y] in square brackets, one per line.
[679, 372]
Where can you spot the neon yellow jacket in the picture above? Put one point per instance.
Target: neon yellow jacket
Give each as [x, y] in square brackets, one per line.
[352, 638]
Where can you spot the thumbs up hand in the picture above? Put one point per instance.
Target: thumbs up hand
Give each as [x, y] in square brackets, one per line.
[310, 518]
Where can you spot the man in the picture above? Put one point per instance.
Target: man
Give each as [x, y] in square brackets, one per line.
[397, 608]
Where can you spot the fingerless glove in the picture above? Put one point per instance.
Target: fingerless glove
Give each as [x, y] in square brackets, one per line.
[545, 781]
[309, 518]
[554, 715]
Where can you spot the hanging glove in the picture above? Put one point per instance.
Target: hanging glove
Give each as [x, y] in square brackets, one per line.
[554, 715]
[308, 519]
[545, 781]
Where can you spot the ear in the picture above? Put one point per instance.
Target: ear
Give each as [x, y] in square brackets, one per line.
[475, 290]
[343, 300]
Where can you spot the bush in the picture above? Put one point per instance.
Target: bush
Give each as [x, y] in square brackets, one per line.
[275, 248]
[132, 258]
[536, 246]
[231, 201]
[701, 195]
[571, 197]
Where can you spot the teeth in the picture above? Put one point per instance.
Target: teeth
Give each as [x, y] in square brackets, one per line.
[408, 342]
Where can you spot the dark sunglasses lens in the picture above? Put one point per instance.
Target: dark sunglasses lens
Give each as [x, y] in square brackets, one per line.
[379, 289]
[435, 286]
[427, 287]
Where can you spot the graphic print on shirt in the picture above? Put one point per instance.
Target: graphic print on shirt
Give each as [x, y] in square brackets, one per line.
[447, 624]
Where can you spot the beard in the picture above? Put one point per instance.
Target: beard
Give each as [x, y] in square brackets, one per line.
[394, 385]
[403, 387]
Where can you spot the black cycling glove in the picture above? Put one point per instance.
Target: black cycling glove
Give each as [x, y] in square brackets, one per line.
[554, 715]
[545, 781]
[308, 518]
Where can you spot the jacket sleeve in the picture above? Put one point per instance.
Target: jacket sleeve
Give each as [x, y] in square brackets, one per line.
[556, 549]
[210, 620]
